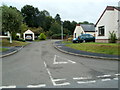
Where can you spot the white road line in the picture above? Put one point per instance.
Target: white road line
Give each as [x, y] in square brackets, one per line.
[60, 63]
[58, 80]
[54, 59]
[71, 61]
[81, 82]
[115, 78]
[105, 79]
[45, 65]
[80, 78]
[54, 80]
[8, 87]
[117, 74]
[55, 62]
[36, 86]
[104, 76]
[63, 84]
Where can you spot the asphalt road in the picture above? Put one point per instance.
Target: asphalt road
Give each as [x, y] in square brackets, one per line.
[41, 65]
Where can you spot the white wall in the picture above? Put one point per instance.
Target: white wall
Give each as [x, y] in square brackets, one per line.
[78, 30]
[92, 33]
[109, 20]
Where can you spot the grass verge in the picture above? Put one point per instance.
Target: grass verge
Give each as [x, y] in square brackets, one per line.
[105, 48]
[3, 49]
[6, 43]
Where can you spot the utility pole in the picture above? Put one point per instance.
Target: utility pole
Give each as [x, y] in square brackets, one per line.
[61, 30]
[118, 21]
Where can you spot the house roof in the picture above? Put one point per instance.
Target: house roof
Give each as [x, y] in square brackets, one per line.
[28, 32]
[88, 27]
[108, 8]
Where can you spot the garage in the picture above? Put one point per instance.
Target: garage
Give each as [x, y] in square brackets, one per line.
[28, 35]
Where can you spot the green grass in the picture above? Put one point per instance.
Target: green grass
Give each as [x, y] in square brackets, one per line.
[105, 48]
[6, 43]
[3, 49]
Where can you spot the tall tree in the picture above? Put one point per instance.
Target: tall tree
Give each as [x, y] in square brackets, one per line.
[73, 25]
[58, 19]
[55, 28]
[46, 13]
[11, 20]
[30, 15]
[69, 26]
[47, 23]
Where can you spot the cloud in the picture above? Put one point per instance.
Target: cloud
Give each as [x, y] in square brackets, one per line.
[78, 10]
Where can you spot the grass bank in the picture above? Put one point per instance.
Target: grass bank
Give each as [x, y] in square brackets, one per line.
[105, 48]
[3, 49]
[6, 43]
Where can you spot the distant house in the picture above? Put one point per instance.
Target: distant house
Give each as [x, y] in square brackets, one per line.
[28, 34]
[84, 29]
[109, 21]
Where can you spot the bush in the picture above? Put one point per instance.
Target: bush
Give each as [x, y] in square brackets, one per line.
[14, 36]
[42, 36]
[112, 37]
[70, 39]
[57, 36]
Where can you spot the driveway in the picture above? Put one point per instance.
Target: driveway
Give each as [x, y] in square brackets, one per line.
[41, 65]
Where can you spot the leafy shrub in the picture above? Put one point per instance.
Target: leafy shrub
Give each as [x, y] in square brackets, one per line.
[70, 39]
[57, 36]
[112, 37]
[42, 36]
[14, 36]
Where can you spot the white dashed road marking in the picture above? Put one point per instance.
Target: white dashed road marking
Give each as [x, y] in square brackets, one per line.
[55, 80]
[36, 86]
[2, 87]
[115, 78]
[117, 74]
[67, 83]
[104, 76]
[81, 82]
[80, 78]
[106, 79]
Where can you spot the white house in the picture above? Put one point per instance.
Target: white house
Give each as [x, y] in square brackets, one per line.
[84, 29]
[28, 33]
[109, 21]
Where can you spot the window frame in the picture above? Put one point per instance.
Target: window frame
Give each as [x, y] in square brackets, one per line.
[101, 31]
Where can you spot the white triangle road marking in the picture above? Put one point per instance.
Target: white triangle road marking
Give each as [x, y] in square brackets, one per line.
[62, 62]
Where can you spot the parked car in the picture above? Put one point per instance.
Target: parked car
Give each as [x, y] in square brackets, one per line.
[28, 37]
[84, 38]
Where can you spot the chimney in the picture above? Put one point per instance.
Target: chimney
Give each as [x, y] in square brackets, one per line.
[77, 24]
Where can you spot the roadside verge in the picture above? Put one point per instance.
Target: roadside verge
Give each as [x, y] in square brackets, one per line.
[68, 50]
[11, 51]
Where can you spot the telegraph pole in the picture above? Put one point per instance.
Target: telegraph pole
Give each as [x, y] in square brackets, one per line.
[61, 30]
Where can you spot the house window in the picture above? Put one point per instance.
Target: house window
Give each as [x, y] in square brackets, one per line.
[101, 31]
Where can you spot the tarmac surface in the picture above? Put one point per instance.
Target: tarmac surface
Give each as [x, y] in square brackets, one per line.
[40, 65]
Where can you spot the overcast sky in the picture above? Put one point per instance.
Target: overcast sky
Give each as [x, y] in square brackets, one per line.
[77, 10]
